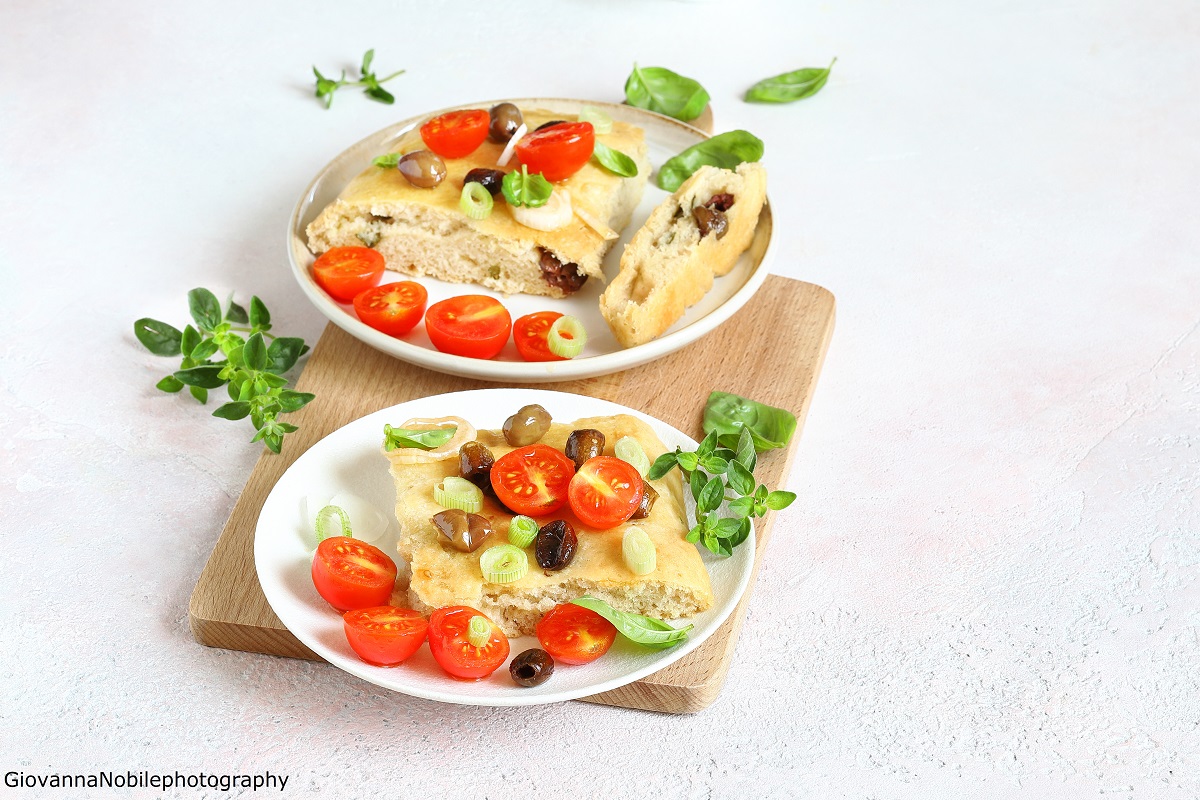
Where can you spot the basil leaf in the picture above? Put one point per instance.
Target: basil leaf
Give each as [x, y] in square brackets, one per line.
[203, 377]
[388, 161]
[233, 411]
[259, 316]
[741, 480]
[688, 461]
[790, 86]
[779, 500]
[710, 496]
[615, 161]
[694, 534]
[747, 456]
[273, 380]
[523, 189]
[191, 338]
[205, 308]
[666, 92]
[294, 401]
[421, 439]
[646, 631]
[728, 527]
[236, 313]
[662, 465]
[742, 534]
[255, 352]
[769, 427]
[707, 445]
[158, 337]
[725, 150]
[742, 507]
[205, 350]
[284, 352]
[714, 464]
[697, 484]
[169, 384]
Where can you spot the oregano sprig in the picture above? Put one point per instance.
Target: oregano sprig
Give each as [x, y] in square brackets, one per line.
[251, 369]
[367, 79]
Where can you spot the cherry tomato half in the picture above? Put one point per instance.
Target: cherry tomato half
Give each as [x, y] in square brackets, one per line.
[346, 271]
[457, 133]
[385, 635]
[393, 308]
[575, 635]
[605, 492]
[472, 325]
[558, 152]
[532, 480]
[351, 574]
[530, 332]
[453, 651]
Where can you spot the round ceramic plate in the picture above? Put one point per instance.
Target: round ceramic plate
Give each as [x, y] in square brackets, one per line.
[665, 138]
[349, 460]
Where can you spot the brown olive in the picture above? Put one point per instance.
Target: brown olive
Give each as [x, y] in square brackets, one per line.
[648, 498]
[531, 668]
[549, 124]
[423, 169]
[584, 444]
[526, 426]
[490, 179]
[710, 221]
[564, 276]
[555, 545]
[506, 118]
[464, 532]
[475, 462]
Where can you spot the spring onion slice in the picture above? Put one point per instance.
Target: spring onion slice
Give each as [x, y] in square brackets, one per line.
[601, 122]
[522, 531]
[638, 551]
[459, 493]
[567, 337]
[512, 145]
[628, 449]
[476, 201]
[329, 515]
[503, 563]
[479, 631]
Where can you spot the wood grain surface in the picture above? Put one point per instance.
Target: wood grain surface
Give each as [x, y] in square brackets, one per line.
[771, 350]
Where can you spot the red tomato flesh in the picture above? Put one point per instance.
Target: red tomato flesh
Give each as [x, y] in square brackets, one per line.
[533, 480]
[385, 635]
[530, 333]
[605, 492]
[472, 325]
[343, 272]
[393, 308]
[456, 134]
[558, 152]
[351, 574]
[454, 652]
[575, 635]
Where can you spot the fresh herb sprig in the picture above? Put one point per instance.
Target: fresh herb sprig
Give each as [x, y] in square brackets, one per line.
[367, 79]
[718, 475]
[252, 369]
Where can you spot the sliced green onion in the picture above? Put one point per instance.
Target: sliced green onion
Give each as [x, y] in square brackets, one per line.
[503, 563]
[476, 201]
[628, 449]
[330, 515]
[638, 550]
[479, 631]
[600, 121]
[522, 531]
[459, 493]
[567, 337]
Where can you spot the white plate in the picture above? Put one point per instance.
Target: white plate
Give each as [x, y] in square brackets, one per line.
[665, 137]
[349, 460]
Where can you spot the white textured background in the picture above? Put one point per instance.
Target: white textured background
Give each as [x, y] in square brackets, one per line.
[991, 583]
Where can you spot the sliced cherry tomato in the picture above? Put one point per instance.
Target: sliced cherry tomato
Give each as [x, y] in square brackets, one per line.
[558, 152]
[346, 271]
[605, 492]
[530, 332]
[472, 325]
[385, 635]
[575, 635]
[453, 650]
[532, 480]
[351, 574]
[393, 308]
[457, 133]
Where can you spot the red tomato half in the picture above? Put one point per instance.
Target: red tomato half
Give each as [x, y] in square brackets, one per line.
[472, 325]
[575, 635]
[557, 152]
[605, 492]
[532, 480]
[351, 574]
[346, 271]
[385, 635]
[393, 308]
[530, 332]
[453, 650]
[457, 133]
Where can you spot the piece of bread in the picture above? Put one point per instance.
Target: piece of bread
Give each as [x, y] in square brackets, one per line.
[442, 576]
[423, 231]
[668, 265]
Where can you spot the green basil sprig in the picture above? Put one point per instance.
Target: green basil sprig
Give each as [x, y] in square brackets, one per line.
[666, 92]
[725, 150]
[523, 189]
[615, 161]
[728, 415]
[646, 631]
[790, 86]
[427, 439]
[252, 369]
[367, 79]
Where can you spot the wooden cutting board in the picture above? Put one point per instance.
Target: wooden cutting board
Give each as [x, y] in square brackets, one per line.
[771, 351]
